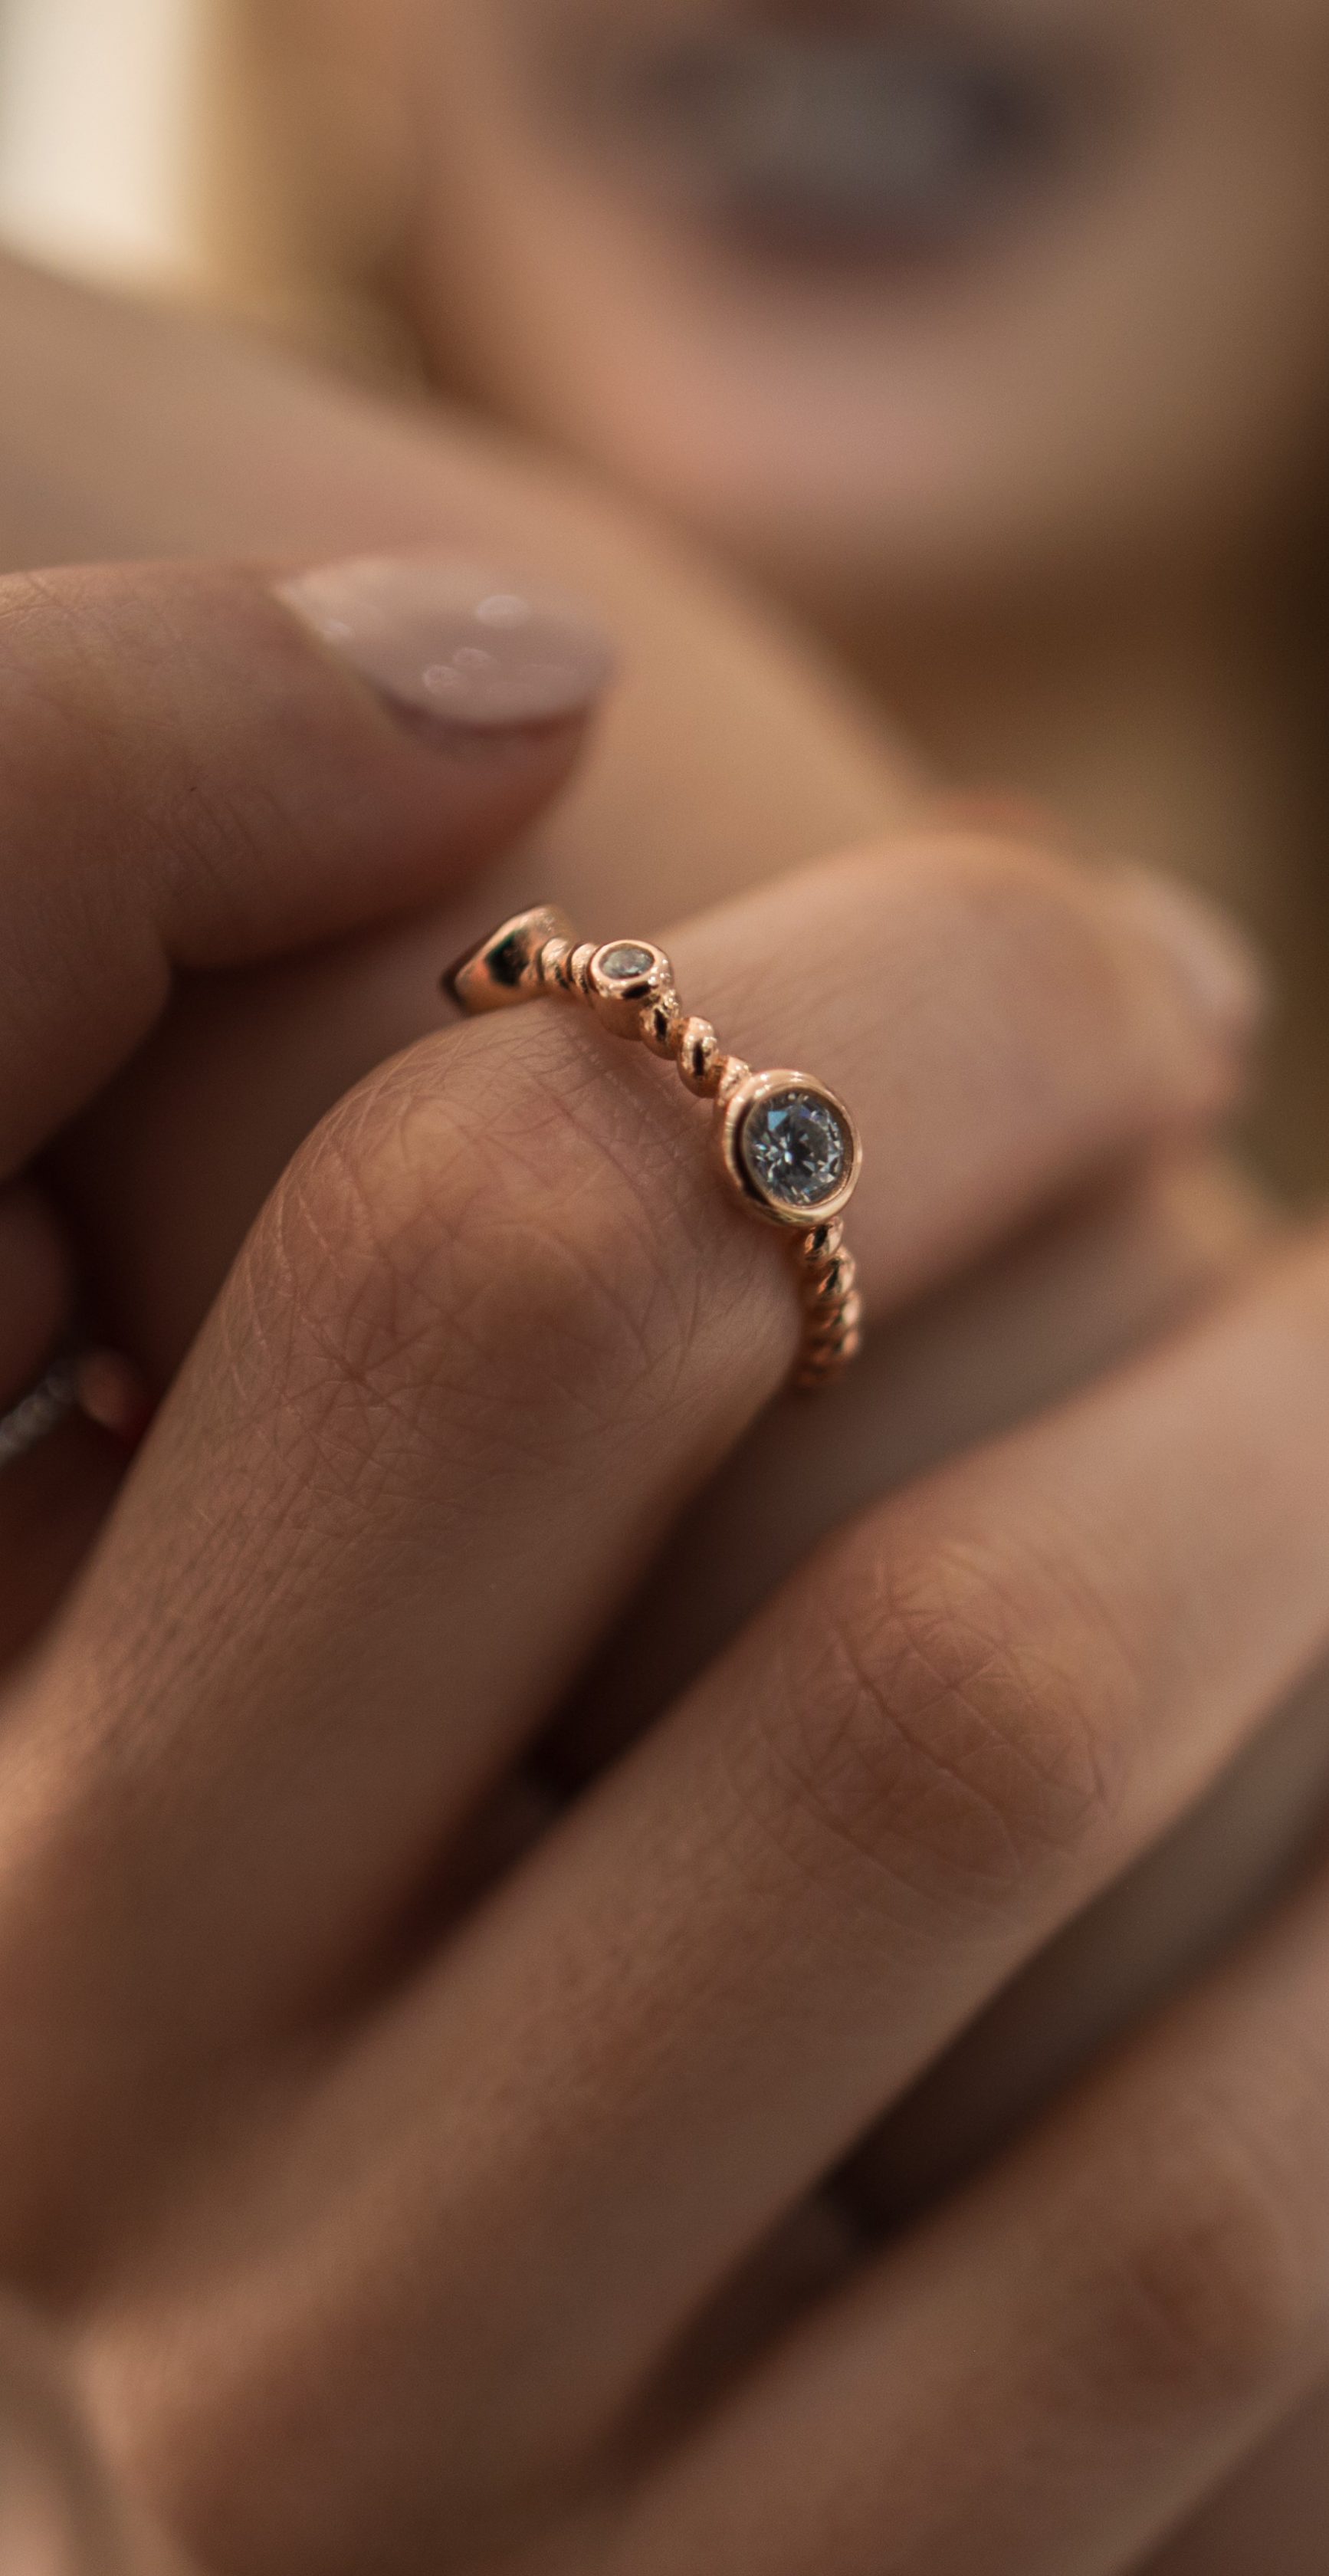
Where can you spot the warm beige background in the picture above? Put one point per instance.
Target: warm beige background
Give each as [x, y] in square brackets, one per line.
[91, 151]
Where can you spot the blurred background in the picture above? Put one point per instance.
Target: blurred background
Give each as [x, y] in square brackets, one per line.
[94, 149]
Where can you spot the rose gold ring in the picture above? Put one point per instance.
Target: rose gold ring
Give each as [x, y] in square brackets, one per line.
[788, 1148]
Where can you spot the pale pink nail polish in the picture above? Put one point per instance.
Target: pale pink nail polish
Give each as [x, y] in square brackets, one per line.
[452, 647]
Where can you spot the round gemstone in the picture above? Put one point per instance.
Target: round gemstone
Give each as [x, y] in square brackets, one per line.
[796, 1147]
[625, 962]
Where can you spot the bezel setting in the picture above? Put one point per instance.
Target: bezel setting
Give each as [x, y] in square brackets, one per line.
[750, 1095]
[612, 979]
[629, 986]
[620, 991]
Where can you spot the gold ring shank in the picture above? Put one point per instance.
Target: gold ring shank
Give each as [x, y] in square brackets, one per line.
[788, 1148]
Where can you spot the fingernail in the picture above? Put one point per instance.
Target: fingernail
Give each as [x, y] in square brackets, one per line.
[1219, 966]
[453, 648]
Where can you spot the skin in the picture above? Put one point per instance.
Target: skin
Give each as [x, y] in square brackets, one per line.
[518, 2140]
[1016, 396]
[775, 773]
[63, 2513]
[1059, 501]
[290, 485]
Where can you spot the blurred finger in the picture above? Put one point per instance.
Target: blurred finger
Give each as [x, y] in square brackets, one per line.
[1045, 2378]
[1277, 2497]
[192, 775]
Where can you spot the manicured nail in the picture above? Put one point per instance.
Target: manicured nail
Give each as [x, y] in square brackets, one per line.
[453, 648]
[1219, 966]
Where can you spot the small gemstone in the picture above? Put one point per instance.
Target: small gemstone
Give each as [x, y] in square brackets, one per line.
[796, 1148]
[625, 961]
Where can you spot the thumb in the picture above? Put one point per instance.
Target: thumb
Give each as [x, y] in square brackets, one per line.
[205, 767]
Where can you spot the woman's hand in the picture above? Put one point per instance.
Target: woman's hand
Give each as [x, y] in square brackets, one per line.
[725, 755]
[134, 431]
[402, 2207]
[189, 784]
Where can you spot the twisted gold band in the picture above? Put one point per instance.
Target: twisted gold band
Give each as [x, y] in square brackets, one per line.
[788, 1147]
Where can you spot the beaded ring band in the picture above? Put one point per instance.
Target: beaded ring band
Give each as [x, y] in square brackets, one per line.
[788, 1148]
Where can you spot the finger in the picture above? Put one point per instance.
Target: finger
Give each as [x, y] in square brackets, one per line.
[211, 447]
[193, 775]
[1054, 1309]
[1156, 1928]
[540, 2167]
[1271, 2511]
[1071, 1297]
[730, 750]
[962, 1720]
[1114, 2318]
[503, 1298]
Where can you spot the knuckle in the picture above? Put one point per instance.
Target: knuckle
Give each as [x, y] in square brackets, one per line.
[1005, 875]
[455, 1236]
[1206, 2295]
[947, 1715]
[1037, 917]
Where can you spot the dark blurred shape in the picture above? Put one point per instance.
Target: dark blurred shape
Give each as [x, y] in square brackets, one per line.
[834, 139]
